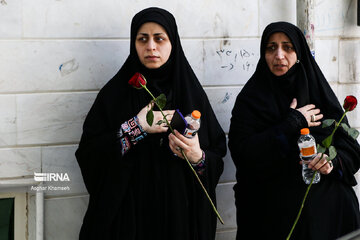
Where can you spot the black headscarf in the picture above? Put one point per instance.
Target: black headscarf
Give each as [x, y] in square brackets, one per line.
[263, 144]
[148, 190]
[303, 81]
[176, 76]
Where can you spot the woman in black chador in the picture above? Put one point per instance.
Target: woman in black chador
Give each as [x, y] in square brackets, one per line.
[139, 188]
[286, 90]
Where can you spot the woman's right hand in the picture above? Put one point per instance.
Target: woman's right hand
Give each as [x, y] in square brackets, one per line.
[307, 111]
[154, 128]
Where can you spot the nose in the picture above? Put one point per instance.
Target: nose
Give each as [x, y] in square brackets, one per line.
[151, 45]
[279, 53]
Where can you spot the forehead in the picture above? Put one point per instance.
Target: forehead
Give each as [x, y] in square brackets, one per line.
[151, 28]
[278, 37]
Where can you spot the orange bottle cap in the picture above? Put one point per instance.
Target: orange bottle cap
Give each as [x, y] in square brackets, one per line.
[196, 114]
[304, 131]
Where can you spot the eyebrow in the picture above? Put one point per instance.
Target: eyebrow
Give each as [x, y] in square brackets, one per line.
[155, 34]
[281, 42]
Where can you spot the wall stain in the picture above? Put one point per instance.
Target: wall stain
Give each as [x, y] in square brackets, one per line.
[225, 41]
[352, 71]
[203, 51]
[3, 2]
[226, 98]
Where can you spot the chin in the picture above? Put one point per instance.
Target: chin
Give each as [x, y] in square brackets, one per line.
[152, 65]
[278, 74]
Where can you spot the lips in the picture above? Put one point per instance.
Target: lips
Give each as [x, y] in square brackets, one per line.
[152, 58]
[280, 66]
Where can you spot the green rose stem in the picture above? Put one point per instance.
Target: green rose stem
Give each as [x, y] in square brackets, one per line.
[302, 203]
[308, 188]
[337, 125]
[187, 160]
[197, 177]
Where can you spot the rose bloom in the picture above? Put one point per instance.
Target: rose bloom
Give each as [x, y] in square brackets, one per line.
[350, 103]
[137, 80]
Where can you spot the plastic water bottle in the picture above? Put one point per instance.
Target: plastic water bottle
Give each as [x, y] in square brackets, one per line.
[307, 146]
[193, 124]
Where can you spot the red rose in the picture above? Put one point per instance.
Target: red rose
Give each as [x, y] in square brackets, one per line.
[137, 80]
[350, 103]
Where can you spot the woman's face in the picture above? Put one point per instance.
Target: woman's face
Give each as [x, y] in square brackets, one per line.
[280, 54]
[152, 45]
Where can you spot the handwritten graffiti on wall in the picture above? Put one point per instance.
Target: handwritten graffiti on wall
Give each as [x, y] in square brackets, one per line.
[68, 67]
[241, 59]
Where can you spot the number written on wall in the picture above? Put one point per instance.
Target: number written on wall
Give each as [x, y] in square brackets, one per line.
[242, 59]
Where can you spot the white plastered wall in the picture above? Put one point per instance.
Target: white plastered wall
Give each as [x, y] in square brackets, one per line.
[56, 55]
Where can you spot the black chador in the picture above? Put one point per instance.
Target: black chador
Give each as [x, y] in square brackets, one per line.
[263, 143]
[148, 193]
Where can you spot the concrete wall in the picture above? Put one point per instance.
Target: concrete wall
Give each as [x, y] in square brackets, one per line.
[56, 55]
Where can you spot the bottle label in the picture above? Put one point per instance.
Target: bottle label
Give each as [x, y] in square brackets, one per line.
[308, 151]
[190, 133]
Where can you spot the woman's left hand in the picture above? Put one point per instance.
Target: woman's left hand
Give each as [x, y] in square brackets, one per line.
[322, 165]
[190, 146]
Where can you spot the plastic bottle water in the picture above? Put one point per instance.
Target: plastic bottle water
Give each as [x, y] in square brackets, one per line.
[307, 146]
[193, 124]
